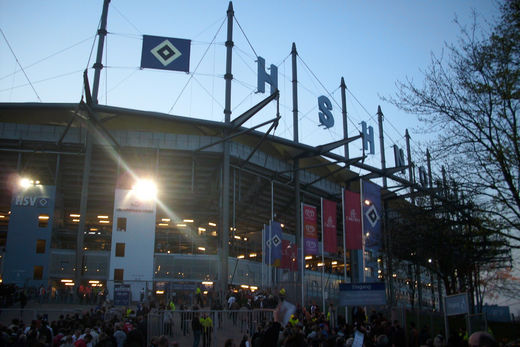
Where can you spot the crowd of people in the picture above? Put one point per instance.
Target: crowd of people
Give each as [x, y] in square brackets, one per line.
[106, 326]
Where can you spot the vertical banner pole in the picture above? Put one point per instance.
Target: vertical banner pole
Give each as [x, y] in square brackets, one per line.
[344, 238]
[322, 258]
[302, 252]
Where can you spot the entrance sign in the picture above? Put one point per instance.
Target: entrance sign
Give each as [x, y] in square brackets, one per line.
[457, 304]
[362, 294]
[121, 295]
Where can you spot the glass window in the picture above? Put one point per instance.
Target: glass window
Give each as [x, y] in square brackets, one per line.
[40, 246]
[43, 220]
[121, 224]
[118, 274]
[120, 249]
[38, 272]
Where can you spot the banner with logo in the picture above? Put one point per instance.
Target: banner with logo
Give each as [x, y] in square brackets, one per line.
[273, 244]
[310, 229]
[372, 214]
[352, 222]
[328, 225]
[165, 53]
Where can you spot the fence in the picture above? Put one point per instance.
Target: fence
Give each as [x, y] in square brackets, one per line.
[225, 324]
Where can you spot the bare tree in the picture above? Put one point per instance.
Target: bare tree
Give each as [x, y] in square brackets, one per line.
[470, 99]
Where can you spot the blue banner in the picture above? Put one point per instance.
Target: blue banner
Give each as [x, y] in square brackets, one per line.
[165, 53]
[372, 214]
[273, 244]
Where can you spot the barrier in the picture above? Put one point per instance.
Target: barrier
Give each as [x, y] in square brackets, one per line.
[225, 324]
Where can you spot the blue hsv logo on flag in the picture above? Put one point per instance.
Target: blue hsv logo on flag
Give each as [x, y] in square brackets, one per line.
[165, 53]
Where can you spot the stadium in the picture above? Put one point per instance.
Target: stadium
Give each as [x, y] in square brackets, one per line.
[145, 203]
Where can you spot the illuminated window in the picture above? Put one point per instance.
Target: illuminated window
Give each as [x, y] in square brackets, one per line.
[120, 249]
[118, 274]
[121, 224]
[43, 220]
[38, 272]
[40, 246]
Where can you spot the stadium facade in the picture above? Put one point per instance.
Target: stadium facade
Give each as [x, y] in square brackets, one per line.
[78, 219]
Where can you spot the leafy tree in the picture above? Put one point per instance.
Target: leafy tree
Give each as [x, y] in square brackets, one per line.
[470, 100]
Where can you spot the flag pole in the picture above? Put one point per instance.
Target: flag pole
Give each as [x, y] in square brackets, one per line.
[344, 237]
[302, 254]
[322, 258]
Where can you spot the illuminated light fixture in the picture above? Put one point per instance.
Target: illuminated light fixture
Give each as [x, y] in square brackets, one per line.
[145, 189]
[282, 225]
[201, 249]
[66, 281]
[245, 238]
[368, 202]
[252, 255]
[93, 282]
[168, 252]
[2, 216]
[70, 284]
[181, 224]
[159, 292]
[394, 275]
[43, 217]
[93, 229]
[165, 220]
[245, 286]
[25, 182]
[207, 283]
[379, 260]
[334, 262]
[36, 182]
[188, 220]
[308, 257]
[430, 260]
[74, 215]
[367, 234]
[205, 292]
[241, 256]
[212, 224]
[201, 229]
[378, 271]
[213, 233]
[102, 217]
[366, 269]
[104, 221]
[163, 224]
[237, 237]
[306, 266]
[85, 248]
[321, 264]
[76, 220]
[253, 288]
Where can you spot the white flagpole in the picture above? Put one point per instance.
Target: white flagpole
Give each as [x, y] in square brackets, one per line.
[270, 255]
[263, 256]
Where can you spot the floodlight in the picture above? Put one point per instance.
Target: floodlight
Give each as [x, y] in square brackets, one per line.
[25, 182]
[145, 189]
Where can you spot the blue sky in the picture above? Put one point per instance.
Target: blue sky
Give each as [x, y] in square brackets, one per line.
[372, 44]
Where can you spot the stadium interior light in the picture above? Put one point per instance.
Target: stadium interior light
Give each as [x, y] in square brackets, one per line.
[368, 202]
[145, 189]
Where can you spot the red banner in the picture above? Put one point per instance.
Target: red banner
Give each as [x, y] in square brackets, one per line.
[310, 229]
[352, 215]
[328, 225]
[289, 256]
